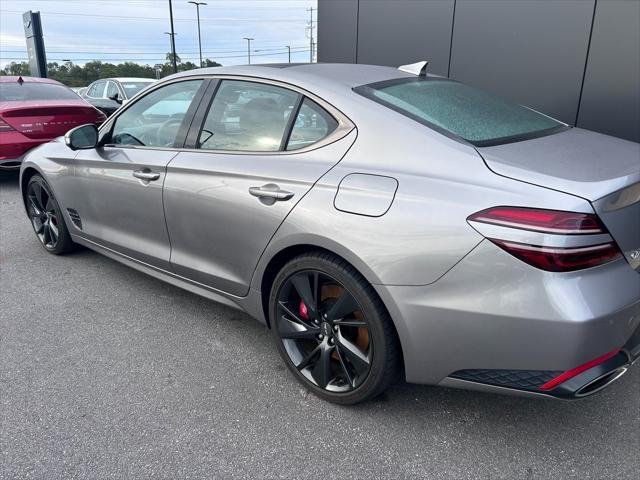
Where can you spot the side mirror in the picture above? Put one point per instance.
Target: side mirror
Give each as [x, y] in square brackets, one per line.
[116, 98]
[83, 137]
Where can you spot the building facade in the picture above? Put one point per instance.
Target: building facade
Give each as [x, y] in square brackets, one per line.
[576, 60]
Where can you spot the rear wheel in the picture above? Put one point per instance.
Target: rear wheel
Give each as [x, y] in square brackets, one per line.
[46, 217]
[332, 330]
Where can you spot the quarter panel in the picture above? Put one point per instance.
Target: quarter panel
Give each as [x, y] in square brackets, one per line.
[492, 311]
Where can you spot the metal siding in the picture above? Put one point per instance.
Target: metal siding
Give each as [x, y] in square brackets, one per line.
[611, 93]
[337, 32]
[405, 31]
[530, 51]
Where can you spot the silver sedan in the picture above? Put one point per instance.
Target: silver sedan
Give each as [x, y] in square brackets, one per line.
[383, 223]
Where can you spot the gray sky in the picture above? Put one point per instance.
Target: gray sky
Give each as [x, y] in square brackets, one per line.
[119, 30]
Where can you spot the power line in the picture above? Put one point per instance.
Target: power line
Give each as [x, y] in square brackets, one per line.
[122, 17]
[284, 52]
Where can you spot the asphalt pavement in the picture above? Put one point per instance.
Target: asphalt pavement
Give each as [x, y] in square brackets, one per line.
[108, 373]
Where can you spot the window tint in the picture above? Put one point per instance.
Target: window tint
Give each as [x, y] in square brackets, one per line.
[13, 92]
[312, 124]
[247, 116]
[474, 115]
[112, 89]
[154, 120]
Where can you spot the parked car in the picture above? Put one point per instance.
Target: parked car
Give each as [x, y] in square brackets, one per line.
[79, 90]
[34, 111]
[109, 93]
[383, 223]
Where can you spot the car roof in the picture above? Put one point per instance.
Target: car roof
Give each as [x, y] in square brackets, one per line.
[345, 74]
[14, 79]
[130, 79]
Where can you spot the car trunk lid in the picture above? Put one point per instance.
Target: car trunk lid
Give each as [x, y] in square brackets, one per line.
[47, 119]
[602, 169]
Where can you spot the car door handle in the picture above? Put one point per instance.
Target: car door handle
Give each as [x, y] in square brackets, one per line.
[146, 174]
[270, 190]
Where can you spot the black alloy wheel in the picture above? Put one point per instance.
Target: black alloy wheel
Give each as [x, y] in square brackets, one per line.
[332, 330]
[46, 217]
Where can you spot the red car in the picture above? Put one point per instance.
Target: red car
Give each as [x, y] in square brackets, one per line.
[34, 111]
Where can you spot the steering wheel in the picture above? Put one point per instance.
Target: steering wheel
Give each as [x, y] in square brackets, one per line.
[168, 129]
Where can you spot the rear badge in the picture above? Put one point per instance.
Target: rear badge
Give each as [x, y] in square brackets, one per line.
[635, 255]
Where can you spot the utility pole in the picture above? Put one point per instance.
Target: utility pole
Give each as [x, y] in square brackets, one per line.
[173, 40]
[310, 28]
[289, 47]
[249, 48]
[172, 47]
[197, 4]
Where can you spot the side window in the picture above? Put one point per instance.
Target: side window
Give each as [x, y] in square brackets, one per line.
[312, 124]
[247, 116]
[96, 90]
[155, 119]
[112, 89]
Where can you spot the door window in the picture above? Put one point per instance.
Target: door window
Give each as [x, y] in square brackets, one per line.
[312, 124]
[96, 90]
[155, 119]
[247, 116]
[112, 89]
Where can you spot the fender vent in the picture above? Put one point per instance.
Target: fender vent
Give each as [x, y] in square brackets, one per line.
[75, 217]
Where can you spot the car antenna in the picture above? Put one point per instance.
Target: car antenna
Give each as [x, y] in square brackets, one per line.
[20, 80]
[419, 68]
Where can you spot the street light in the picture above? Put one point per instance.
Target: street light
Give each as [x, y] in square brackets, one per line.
[172, 49]
[289, 47]
[248, 48]
[197, 4]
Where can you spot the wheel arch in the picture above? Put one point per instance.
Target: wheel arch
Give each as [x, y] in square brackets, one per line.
[25, 176]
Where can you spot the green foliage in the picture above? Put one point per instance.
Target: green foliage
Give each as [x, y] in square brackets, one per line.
[74, 75]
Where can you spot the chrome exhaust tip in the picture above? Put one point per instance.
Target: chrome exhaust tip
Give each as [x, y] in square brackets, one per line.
[601, 382]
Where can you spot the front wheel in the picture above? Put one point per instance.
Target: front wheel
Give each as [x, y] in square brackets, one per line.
[46, 217]
[332, 330]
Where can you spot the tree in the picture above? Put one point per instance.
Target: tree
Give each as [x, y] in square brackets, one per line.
[74, 75]
[170, 58]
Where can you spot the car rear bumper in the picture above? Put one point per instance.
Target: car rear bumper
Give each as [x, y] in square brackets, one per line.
[13, 146]
[494, 323]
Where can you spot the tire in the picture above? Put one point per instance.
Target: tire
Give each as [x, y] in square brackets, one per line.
[46, 217]
[335, 336]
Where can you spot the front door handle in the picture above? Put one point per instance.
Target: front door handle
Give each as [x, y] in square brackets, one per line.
[146, 174]
[270, 191]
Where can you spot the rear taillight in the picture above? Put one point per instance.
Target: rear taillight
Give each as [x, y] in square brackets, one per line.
[538, 220]
[553, 256]
[561, 259]
[5, 127]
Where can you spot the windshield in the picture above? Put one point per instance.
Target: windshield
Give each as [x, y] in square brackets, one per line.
[131, 88]
[478, 117]
[15, 92]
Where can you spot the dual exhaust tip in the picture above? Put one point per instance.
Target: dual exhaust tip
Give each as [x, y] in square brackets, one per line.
[601, 382]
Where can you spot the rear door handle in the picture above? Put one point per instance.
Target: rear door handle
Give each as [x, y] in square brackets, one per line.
[272, 191]
[146, 174]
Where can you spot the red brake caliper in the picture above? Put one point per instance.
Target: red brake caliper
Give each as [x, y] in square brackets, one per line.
[304, 312]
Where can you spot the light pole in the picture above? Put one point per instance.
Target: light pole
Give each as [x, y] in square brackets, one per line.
[289, 48]
[173, 41]
[172, 47]
[248, 39]
[197, 4]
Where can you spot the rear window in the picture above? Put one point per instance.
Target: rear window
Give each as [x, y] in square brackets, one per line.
[131, 88]
[14, 92]
[478, 117]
